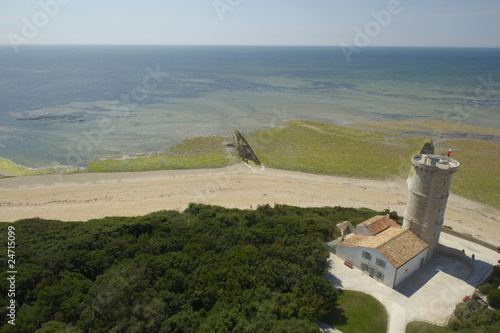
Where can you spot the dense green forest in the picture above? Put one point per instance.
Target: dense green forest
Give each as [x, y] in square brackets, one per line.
[208, 269]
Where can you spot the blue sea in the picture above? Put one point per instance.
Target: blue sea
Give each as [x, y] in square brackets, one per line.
[67, 105]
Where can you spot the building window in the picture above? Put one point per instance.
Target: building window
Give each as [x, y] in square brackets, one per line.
[364, 267]
[380, 262]
[380, 276]
[367, 255]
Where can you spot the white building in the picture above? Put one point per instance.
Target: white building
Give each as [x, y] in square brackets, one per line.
[389, 253]
[383, 250]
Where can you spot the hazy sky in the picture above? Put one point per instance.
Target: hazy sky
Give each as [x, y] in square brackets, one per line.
[252, 22]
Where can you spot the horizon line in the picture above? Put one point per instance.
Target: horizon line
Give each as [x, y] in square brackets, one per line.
[262, 45]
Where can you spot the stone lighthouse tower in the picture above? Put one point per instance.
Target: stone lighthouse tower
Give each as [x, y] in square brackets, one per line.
[428, 187]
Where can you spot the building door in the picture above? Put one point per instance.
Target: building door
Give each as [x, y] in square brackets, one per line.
[372, 272]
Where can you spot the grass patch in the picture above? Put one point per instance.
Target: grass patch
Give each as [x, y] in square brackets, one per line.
[159, 162]
[382, 153]
[492, 282]
[428, 127]
[333, 150]
[10, 169]
[419, 327]
[197, 153]
[479, 173]
[357, 312]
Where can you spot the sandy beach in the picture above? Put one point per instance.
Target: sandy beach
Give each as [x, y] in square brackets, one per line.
[82, 197]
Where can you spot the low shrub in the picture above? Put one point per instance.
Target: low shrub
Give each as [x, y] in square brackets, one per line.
[494, 299]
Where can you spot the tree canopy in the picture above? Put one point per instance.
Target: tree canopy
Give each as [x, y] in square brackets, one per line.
[207, 269]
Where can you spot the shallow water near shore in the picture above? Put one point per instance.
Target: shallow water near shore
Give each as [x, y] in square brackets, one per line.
[72, 105]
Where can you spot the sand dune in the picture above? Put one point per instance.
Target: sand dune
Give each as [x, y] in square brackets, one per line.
[82, 197]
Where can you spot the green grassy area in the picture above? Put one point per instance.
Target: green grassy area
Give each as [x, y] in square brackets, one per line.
[357, 312]
[381, 153]
[11, 169]
[333, 150]
[427, 127]
[196, 153]
[365, 150]
[492, 282]
[479, 173]
[421, 327]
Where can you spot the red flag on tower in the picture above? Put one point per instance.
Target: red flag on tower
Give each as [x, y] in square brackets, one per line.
[449, 151]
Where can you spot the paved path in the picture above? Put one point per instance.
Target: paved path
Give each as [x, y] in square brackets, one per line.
[431, 293]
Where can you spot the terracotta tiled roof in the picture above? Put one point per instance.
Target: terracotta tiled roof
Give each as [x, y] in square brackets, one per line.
[373, 241]
[379, 223]
[396, 244]
[402, 248]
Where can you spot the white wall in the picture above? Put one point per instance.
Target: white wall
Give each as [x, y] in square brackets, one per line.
[410, 267]
[355, 256]
[362, 230]
[351, 254]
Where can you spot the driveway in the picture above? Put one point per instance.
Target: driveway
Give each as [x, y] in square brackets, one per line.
[431, 293]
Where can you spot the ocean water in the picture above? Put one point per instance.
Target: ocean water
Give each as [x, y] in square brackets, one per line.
[66, 105]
